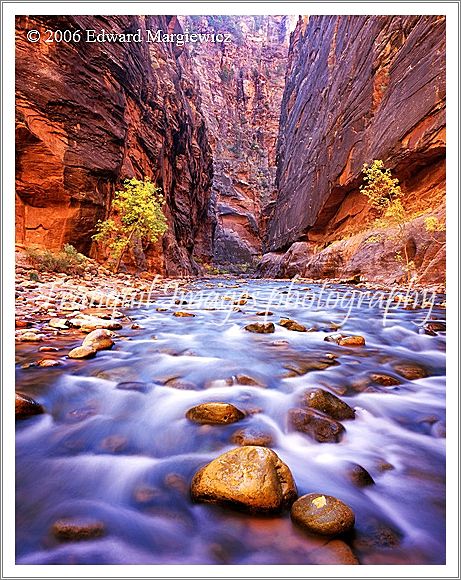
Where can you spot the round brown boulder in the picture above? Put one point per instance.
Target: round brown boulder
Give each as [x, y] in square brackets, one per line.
[214, 414]
[328, 403]
[322, 514]
[100, 339]
[250, 478]
[26, 407]
[82, 352]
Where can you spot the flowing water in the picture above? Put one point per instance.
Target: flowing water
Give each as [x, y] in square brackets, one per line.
[126, 457]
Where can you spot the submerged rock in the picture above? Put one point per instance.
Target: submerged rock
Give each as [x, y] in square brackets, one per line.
[100, 339]
[26, 407]
[250, 477]
[70, 530]
[411, 371]
[359, 476]
[82, 352]
[322, 514]
[318, 427]
[261, 327]
[328, 403]
[252, 436]
[334, 552]
[292, 325]
[384, 380]
[214, 414]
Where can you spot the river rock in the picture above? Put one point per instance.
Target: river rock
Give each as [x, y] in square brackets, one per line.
[181, 314]
[48, 362]
[344, 340]
[250, 477]
[292, 325]
[71, 530]
[384, 380]
[82, 352]
[318, 427]
[214, 414]
[261, 327]
[133, 386]
[328, 403]
[252, 436]
[100, 339]
[59, 323]
[358, 475]
[334, 552]
[322, 514]
[411, 371]
[26, 407]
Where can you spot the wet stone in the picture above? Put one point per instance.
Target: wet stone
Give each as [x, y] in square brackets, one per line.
[71, 530]
[359, 476]
[260, 327]
[318, 427]
[26, 406]
[334, 552]
[343, 340]
[181, 314]
[328, 403]
[411, 371]
[48, 362]
[384, 380]
[214, 414]
[133, 386]
[322, 514]
[81, 352]
[251, 478]
[100, 339]
[292, 325]
[252, 436]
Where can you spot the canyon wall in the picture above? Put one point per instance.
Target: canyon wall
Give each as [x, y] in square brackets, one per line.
[241, 85]
[359, 88]
[89, 115]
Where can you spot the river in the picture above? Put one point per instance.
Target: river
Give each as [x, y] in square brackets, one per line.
[125, 454]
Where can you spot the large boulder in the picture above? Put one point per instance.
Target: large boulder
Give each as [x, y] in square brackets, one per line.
[250, 477]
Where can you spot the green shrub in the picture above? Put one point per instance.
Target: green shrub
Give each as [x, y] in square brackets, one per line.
[67, 260]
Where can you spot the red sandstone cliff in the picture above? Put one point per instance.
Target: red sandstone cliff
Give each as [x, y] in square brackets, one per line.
[358, 88]
[90, 115]
[241, 84]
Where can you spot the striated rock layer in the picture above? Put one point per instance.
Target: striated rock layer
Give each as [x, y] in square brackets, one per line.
[358, 88]
[241, 84]
[89, 115]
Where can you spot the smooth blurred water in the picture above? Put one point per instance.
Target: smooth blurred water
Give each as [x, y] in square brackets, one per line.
[127, 457]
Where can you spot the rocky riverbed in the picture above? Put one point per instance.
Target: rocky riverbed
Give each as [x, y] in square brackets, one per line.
[227, 420]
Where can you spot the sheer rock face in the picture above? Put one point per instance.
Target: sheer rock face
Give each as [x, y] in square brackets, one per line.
[358, 88]
[89, 115]
[241, 86]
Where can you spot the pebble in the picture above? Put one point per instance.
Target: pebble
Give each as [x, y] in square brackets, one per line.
[214, 414]
[260, 327]
[318, 427]
[251, 478]
[322, 514]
